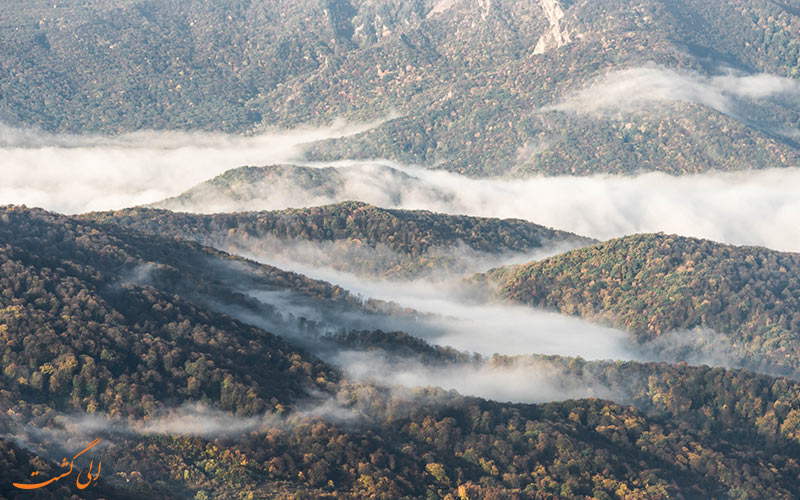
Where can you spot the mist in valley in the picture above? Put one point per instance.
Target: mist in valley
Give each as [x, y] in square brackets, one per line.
[73, 174]
[755, 207]
[450, 313]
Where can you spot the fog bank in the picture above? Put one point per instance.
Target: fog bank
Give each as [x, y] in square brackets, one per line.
[756, 207]
[72, 174]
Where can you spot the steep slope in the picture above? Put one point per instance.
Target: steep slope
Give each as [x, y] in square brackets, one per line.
[472, 86]
[653, 284]
[356, 237]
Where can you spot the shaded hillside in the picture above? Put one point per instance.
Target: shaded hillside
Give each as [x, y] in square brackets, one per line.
[91, 323]
[356, 237]
[16, 465]
[413, 444]
[468, 85]
[652, 284]
[577, 449]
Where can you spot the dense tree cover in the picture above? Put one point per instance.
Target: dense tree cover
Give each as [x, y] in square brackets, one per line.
[654, 283]
[672, 137]
[177, 266]
[355, 237]
[570, 449]
[429, 443]
[83, 329]
[736, 405]
[466, 80]
[399, 346]
[733, 405]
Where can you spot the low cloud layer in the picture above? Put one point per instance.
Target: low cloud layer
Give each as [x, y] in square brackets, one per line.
[440, 262]
[523, 379]
[517, 383]
[756, 207]
[533, 379]
[69, 430]
[72, 174]
[445, 312]
[65, 174]
[630, 89]
[469, 324]
[448, 314]
[745, 208]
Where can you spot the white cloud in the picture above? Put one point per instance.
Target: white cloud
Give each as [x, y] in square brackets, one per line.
[631, 88]
[756, 207]
[518, 382]
[72, 174]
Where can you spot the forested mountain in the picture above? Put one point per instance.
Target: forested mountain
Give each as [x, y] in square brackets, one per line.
[655, 283]
[356, 237]
[173, 333]
[475, 86]
[96, 345]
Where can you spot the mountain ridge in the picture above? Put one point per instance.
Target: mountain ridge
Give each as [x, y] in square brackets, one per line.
[356, 237]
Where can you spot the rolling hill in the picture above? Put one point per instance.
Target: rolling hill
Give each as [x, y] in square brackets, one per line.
[357, 237]
[91, 323]
[278, 186]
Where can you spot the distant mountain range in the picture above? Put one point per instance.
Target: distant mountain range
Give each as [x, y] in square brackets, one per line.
[474, 86]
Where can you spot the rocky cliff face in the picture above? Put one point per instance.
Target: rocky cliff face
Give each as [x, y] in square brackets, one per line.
[557, 35]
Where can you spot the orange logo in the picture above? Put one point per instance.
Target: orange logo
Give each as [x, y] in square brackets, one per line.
[90, 478]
